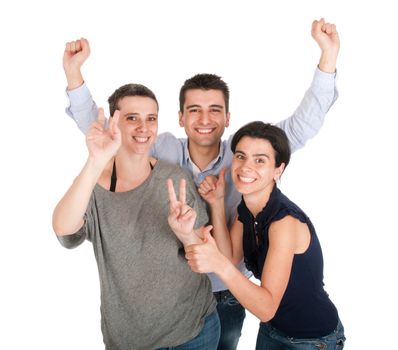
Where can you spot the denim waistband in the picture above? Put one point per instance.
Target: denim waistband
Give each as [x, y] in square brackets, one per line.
[222, 295]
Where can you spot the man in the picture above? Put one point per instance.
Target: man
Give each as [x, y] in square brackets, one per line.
[204, 114]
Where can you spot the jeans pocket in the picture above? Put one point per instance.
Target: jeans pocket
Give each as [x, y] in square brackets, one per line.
[307, 344]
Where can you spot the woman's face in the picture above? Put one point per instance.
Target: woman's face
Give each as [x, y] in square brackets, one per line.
[253, 166]
[138, 123]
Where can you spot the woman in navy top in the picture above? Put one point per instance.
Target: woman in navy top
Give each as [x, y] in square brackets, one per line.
[278, 243]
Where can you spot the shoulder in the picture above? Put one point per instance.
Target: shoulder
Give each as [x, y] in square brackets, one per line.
[165, 170]
[167, 138]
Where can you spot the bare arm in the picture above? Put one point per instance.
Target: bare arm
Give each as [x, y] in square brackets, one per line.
[102, 144]
[263, 301]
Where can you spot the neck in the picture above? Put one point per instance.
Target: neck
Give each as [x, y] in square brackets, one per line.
[131, 169]
[256, 201]
[203, 155]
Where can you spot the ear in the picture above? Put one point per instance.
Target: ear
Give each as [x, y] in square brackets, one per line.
[227, 116]
[279, 171]
[181, 119]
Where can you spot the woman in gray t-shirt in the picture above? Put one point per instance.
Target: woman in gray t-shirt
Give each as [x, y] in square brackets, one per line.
[149, 296]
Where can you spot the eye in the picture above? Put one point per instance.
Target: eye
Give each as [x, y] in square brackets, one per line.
[131, 118]
[260, 160]
[152, 119]
[239, 156]
[215, 110]
[193, 110]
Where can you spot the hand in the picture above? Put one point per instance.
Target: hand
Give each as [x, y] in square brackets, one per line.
[103, 143]
[181, 216]
[212, 189]
[75, 54]
[205, 257]
[326, 36]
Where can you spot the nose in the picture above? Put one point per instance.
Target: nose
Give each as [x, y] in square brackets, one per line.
[204, 118]
[142, 126]
[245, 166]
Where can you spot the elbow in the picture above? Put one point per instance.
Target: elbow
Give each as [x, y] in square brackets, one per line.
[61, 228]
[267, 315]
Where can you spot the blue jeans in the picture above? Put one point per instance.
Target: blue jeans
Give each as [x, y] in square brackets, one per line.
[207, 339]
[270, 338]
[232, 315]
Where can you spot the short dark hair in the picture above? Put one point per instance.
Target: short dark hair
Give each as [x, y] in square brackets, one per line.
[129, 90]
[205, 82]
[276, 136]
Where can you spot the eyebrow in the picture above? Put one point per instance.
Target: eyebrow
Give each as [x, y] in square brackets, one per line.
[198, 106]
[254, 155]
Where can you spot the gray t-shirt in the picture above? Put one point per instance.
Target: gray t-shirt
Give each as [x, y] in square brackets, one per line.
[150, 298]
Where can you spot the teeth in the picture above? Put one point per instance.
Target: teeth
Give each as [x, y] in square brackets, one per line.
[141, 139]
[246, 179]
[204, 131]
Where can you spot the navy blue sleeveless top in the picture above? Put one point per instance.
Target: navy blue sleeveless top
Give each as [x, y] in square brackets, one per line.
[305, 310]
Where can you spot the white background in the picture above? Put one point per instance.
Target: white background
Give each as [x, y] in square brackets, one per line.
[344, 178]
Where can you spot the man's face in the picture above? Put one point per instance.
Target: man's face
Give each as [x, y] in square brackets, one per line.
[138, 123]
[204, 117]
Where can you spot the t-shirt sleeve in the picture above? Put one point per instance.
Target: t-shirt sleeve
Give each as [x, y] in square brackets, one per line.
[75, 239]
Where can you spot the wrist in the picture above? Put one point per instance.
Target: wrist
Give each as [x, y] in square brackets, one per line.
[327, 61]
[74, 78]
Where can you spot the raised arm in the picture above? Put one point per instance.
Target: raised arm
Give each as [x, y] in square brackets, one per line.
[82, 108]
[102, 145]
[308, 118]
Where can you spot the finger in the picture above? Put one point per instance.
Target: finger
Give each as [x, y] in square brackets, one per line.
[206, 186]
[114, 124]
[187, 213]
[78, 46]
[73, 46]
[85, 45]
[67, 47]
[328, 28]
[182, 194]
[101, 116]
[317, 26]
[172, 193]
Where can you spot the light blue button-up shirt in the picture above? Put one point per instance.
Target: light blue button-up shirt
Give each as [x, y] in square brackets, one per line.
[300, 127]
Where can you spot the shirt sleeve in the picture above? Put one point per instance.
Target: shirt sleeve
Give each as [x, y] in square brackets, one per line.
[308, 118]
[81, 108]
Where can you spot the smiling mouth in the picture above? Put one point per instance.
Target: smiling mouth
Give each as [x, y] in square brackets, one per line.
[246, 180]
[204, 131]
[141, 139]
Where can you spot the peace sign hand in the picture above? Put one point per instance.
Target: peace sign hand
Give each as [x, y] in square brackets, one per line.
[181, 216]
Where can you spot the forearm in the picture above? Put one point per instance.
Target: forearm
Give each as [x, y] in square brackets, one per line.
[309, 116]
[69, 212]
[252, 297]
[74, 78]
[220, 230]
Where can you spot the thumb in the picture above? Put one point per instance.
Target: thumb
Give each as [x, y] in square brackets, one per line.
[221, 176]
[208, 238]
